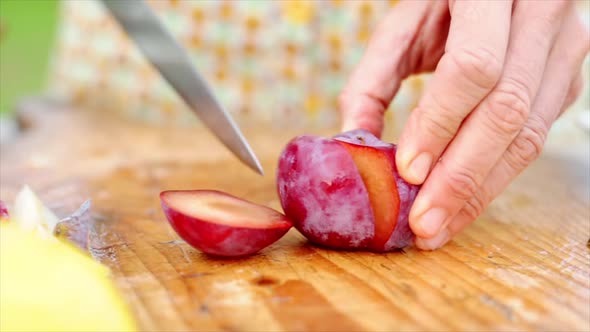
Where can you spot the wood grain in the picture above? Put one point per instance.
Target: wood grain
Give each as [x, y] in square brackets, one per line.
[524, 265]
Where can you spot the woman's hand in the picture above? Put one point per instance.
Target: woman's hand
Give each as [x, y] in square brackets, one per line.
[504, 71]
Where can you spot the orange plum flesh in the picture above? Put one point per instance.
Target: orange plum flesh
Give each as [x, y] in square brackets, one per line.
[376, 172]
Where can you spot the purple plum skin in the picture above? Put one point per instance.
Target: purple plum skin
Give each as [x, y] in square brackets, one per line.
[322, 193]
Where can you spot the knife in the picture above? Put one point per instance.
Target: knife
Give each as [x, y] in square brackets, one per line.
[172, 60]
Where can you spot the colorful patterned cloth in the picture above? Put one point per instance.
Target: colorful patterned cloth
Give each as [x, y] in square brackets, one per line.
[270, 62]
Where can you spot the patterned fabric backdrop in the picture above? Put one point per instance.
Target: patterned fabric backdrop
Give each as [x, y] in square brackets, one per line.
[275, 62]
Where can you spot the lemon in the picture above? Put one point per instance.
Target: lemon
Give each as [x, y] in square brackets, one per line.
[52, 286]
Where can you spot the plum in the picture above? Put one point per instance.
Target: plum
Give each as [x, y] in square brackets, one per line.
[345, 192]
[317, 181]
[220, 224]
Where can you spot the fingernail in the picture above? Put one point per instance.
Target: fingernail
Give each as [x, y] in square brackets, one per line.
[420, 166]
[431, 221]
[436, 242]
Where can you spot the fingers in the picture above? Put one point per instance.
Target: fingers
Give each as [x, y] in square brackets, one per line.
[561, 84]
[467, 72]
[488, 131]
[389, 59]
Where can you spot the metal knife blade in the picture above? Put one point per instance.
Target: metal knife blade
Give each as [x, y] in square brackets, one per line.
[174, 64]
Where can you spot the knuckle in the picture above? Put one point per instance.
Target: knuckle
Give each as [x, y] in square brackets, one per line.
[475, 206]
[439, 124]
[361, 103]
[479, 66]
[528, 145]
[461, 183]
[509, 107]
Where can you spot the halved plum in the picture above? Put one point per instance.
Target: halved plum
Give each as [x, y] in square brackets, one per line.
[220, 224]
[344, 192]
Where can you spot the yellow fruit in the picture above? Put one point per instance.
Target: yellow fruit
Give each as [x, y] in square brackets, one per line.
[52, 286]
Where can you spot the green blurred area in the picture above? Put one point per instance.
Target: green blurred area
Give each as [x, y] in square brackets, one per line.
[26, 41]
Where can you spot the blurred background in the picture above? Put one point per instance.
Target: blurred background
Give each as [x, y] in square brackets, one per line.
[279, 63]
[27, 35]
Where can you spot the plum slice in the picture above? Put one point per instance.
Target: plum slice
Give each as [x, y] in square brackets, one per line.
[375, 169]
[220, 224]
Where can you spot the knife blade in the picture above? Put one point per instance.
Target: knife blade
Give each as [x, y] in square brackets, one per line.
[172, 61]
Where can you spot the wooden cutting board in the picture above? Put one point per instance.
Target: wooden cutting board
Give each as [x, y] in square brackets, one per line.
[524, 265]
